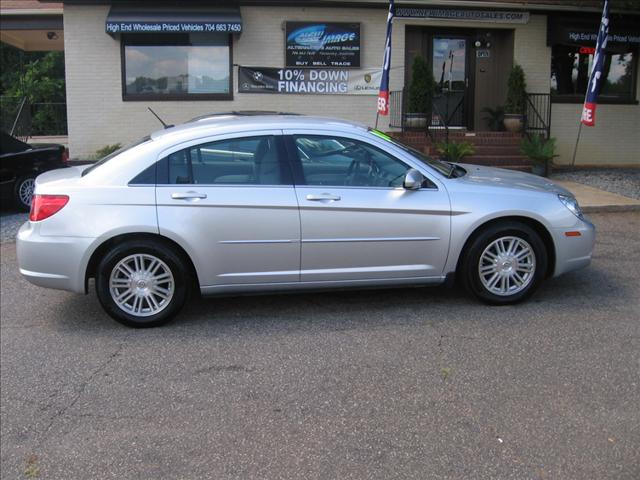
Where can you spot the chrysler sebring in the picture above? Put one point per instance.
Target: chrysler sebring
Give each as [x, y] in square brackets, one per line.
[241, 203]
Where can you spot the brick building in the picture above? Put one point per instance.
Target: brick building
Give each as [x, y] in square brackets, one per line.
[202, 57]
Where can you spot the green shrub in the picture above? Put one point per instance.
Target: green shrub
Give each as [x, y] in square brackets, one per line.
[539, 150]
[455, 151]
[106, 150]
[516, 91]
[422, 87]
[494, 118]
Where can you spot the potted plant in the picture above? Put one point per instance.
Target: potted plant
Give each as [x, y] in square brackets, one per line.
[455, 151]
[516, 98]
[421, 92]
[494, 118]
[541, 152]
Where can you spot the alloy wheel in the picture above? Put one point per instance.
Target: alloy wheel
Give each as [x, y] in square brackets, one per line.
[141, 285]
[507, 266]
[25, 191]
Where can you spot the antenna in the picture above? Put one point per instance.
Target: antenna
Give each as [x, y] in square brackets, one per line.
[159, 119]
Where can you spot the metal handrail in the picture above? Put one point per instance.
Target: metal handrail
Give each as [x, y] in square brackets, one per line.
[20, 109]
[537, 117]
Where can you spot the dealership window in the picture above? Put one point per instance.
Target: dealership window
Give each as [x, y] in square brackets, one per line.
[571, 65]
[193, 66]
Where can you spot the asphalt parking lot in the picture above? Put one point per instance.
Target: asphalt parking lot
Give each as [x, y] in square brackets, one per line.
[389, 384]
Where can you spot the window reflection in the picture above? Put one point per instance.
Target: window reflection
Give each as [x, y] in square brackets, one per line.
[176, 69]
[571, 65]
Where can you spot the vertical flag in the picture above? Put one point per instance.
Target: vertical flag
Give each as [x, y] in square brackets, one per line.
[383, 95]
[595, 79]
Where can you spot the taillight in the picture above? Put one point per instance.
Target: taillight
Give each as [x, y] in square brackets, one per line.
[43, 206]
[65, 156]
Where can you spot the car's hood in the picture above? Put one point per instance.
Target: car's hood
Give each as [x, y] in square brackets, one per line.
[499, 177]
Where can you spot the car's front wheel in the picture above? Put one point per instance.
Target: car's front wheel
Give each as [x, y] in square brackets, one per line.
[23, 191]
[142, 283]
[505, 263]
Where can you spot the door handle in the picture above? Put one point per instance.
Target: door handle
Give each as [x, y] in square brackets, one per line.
[325, 197]
[187, 195]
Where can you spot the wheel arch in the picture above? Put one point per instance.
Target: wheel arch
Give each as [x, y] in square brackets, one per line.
[536, 225]
[104, 247]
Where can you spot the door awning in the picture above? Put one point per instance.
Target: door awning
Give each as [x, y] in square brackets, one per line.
[123, 19]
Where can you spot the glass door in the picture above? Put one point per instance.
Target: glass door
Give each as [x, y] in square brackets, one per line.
[449, 63]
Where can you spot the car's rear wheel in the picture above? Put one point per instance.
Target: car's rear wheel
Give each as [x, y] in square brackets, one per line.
[142, 283]
[505, 263]
[23, 191]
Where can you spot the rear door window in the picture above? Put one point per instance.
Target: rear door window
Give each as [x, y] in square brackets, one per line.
[236, 161]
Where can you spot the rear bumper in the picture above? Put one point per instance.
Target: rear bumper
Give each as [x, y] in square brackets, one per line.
[52, 262]
[574, 252]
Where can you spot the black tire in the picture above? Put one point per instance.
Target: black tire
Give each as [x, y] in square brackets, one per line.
[18, 187]
[470, 265]
[149, 248]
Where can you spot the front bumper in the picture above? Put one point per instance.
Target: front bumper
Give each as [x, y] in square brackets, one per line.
[52, 261]
[574, 252]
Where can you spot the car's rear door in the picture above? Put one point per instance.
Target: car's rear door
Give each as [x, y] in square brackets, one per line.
[358, 222]
[232, 203]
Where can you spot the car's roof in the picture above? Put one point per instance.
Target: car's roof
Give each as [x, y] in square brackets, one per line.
[248, 121]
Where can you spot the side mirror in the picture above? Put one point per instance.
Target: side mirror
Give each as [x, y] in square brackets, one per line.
[413, 180]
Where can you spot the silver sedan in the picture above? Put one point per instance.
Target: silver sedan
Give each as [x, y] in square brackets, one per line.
[236, 203]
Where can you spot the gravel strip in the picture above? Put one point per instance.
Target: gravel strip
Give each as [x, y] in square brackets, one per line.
[10, 223]
[624, 182]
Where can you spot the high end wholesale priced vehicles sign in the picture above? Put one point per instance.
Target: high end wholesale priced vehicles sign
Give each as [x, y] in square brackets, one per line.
[319, 81]
[322, 44]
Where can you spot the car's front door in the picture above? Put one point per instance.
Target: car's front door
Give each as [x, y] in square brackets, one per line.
[358, 222]
[232, 203]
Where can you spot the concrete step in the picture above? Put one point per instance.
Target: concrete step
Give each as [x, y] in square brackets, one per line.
[512, 141]
[498, 160]
[520, 168]
[485, 150]
[490, 149]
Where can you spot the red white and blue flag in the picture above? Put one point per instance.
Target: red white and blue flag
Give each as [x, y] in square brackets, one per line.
[383, 95]
[595, 80]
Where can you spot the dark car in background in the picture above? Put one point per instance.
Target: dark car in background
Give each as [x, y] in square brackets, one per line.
[21, 163]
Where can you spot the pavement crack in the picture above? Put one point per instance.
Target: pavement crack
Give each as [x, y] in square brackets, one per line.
[82, 388]
[223, 368]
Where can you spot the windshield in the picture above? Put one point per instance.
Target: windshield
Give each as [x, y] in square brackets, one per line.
[446, 169]
[112, 155]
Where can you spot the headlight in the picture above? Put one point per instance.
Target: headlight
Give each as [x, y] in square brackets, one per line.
[572, 204]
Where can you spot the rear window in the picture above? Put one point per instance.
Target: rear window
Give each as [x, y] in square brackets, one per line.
[112, 155]
[9, 144]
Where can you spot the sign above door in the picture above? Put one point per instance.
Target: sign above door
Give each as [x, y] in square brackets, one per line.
[490, 16]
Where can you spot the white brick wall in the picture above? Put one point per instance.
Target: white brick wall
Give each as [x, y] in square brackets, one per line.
[97, 115]
[530, 51]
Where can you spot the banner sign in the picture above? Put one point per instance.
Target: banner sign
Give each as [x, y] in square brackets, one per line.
[329, 81]
[172, 27]
[327, 44]
[492, 16]
[124, 19]
[383, 94]
[596, 79]
[580, 34]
